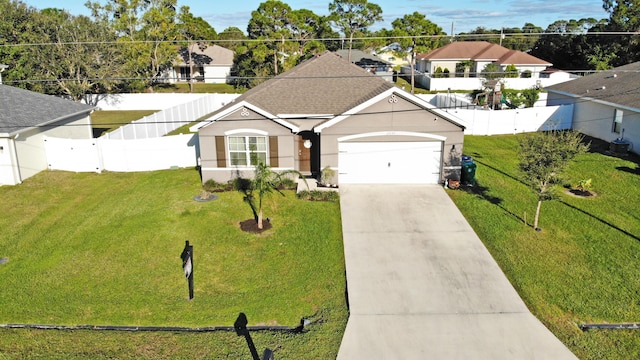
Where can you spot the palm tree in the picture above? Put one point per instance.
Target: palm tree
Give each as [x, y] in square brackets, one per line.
[264, 181]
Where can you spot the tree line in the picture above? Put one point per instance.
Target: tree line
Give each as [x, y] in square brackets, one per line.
[125, 45]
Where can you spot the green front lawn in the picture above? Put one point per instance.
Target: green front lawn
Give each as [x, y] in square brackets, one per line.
[103, 121]
[103, 249]
[583, 267]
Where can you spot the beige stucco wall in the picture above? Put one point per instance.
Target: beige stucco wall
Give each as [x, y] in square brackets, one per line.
[443, 64]
[249, 121]
[392, 115]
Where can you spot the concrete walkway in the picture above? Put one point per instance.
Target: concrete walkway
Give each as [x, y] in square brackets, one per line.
[421, 285]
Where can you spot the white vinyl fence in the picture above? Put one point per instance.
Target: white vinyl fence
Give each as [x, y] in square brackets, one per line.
[495, 122]
[141, 147]
[96, 155]
[139, 101]
[167, 120]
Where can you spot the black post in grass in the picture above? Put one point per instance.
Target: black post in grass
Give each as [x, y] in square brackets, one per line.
[187, 265]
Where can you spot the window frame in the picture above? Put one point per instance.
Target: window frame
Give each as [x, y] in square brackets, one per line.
[247, 149]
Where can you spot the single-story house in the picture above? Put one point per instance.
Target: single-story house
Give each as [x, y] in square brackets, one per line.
[553, 73]
[327, 112]
[606, 104]
[26, 117]
[389, 53]
[479, 54]
[370, 62]
[211, 64]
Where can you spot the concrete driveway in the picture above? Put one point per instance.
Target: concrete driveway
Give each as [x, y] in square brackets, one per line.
[421, 285]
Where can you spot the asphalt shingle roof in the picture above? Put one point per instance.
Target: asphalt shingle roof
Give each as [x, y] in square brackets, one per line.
[482, 50]
[360, 58]
[23, 109]
[617, 86]
[325, 84]
[210, 55]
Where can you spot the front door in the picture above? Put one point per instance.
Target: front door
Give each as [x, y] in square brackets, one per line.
[304, 156]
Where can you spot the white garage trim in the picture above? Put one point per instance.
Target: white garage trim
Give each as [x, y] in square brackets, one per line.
[391, 133]
[409, 162]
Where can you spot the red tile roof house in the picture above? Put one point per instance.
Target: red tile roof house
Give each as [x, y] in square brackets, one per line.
[327, 112]
[481, 53]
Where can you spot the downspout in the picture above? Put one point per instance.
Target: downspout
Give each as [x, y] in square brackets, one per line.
[15, 166]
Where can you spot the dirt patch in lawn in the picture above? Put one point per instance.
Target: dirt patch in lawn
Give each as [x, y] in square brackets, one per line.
[250, 225]
[580, 193]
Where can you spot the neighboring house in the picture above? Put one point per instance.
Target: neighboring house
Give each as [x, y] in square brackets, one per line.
[606, 104]
[211, 64]
[26, 117]
[370, 62]
[390, 54]
[478, 54]
[553, 73]
[327, 112]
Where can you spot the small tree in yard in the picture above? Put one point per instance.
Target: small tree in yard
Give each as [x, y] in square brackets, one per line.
[543, 158]
[491, 71]
[511, 71]
[264, 182]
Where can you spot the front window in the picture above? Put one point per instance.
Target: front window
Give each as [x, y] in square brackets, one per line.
[247, 150]
[185, 74]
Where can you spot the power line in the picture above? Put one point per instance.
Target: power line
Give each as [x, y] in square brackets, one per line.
[293, 39]
[173, 121]
[231, 79]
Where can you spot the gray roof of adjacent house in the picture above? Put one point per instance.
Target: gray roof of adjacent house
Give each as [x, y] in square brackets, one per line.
[326, 84]
[362, 58]
[23, 109]
[214, 55]
[617, 86]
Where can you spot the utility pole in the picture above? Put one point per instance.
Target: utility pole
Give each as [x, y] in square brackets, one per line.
[413, 66]
[452, 34]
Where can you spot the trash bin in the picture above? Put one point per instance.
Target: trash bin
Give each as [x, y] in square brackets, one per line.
[468, 171]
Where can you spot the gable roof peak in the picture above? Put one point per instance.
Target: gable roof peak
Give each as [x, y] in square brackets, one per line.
[323, 84]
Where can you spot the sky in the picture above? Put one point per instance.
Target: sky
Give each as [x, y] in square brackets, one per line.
[461, 15]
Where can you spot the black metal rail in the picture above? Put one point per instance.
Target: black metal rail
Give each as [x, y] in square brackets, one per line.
[297, 329]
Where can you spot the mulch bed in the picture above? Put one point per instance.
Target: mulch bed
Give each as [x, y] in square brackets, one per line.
[250, 225]
[579, 193]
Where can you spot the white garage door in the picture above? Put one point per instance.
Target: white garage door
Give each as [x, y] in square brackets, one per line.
[389, 162]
